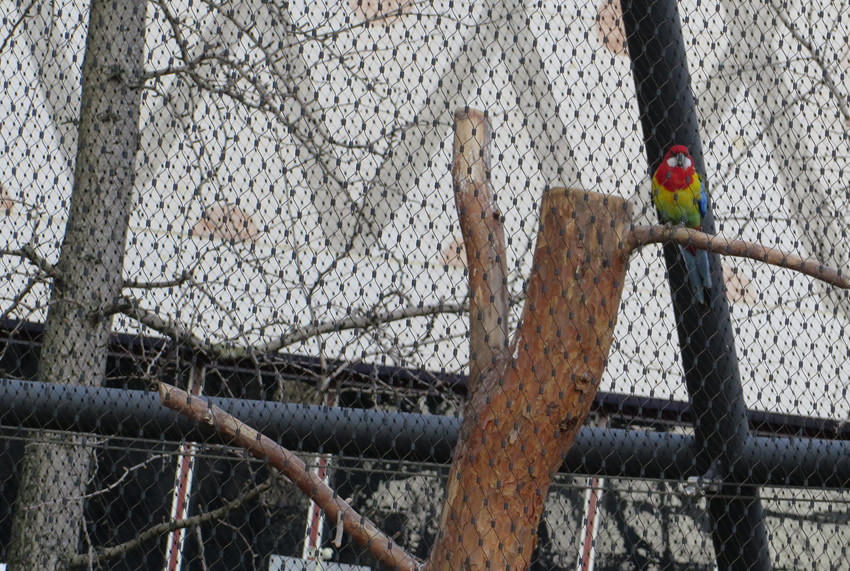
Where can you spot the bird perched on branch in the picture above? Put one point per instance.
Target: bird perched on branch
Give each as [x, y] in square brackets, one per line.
[678, 196]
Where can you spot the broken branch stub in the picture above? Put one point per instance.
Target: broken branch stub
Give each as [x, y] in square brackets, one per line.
[483, 240]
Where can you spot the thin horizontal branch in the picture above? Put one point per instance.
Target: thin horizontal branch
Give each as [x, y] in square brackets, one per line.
[361, 529]
[131, 308]
[183, 278]
[661, 234]
[363, 321]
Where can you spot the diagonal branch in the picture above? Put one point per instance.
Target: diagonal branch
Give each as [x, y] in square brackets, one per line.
[162, 528]
[18, 300]
[11, 34]
[661, 234]
[357, 526]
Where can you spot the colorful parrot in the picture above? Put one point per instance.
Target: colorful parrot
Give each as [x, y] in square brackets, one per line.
[678, 196]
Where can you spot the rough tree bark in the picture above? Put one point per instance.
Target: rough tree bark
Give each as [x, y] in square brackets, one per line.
[526, 411]
[49, 505]
[523, 416]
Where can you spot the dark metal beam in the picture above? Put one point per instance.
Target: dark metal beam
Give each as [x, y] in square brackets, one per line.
[25, 337]
[668, 116]
[373, 434]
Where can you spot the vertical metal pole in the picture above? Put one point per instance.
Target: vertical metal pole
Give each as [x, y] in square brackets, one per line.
[183, 480]
[315, 516]
[587, 549]
[666, 104]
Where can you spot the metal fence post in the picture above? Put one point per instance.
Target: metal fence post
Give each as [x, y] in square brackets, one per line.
[668, 116]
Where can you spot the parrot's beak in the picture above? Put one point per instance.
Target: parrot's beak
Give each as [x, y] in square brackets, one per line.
[680, 159]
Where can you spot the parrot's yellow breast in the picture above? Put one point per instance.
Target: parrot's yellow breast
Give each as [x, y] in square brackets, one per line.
[679, 206]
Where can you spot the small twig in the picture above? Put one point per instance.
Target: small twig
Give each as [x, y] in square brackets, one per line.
[28, 253]
[828, 79]
[18, 300]
[159, 529]
[660, 234]
[358, 527]
[24, 15]
[202, 557]
[100, 492]
[173, 282]
[89, 544]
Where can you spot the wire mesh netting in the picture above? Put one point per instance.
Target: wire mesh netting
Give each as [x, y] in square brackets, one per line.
[255, 202]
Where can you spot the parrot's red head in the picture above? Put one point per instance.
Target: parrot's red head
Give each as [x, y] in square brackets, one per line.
[676, 171]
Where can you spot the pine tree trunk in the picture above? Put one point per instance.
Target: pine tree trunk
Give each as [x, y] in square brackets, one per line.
[49, 508]
[524, 414]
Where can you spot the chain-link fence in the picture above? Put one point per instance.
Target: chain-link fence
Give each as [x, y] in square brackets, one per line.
[255, 202]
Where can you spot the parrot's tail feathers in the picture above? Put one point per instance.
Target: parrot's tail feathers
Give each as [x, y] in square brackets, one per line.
[699, 273]
[704, 268]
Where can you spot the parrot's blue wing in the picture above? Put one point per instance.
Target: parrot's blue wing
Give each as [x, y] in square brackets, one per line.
[703, 202]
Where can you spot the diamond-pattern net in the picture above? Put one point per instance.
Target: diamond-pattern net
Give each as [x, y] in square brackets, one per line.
[291, 236]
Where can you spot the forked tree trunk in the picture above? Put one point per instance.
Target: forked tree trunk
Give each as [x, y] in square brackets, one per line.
[526, 411]
[55, 471]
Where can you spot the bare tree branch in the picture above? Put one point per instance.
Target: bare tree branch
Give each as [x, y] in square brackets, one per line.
[828, 79]
[112, 486]
[131, 308]
[18, 300]
[370, 319]
[24, 15]
[174, 282]
[29, 253]
[660, 234]
[358, 527]
[159, 529]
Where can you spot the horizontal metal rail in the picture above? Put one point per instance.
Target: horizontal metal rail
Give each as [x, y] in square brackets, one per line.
[610, 452]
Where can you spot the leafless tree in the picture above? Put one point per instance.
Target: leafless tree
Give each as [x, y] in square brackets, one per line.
[170, 108]
[88, 276]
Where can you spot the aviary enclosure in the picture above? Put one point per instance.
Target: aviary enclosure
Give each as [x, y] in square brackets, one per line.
[413, 245]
